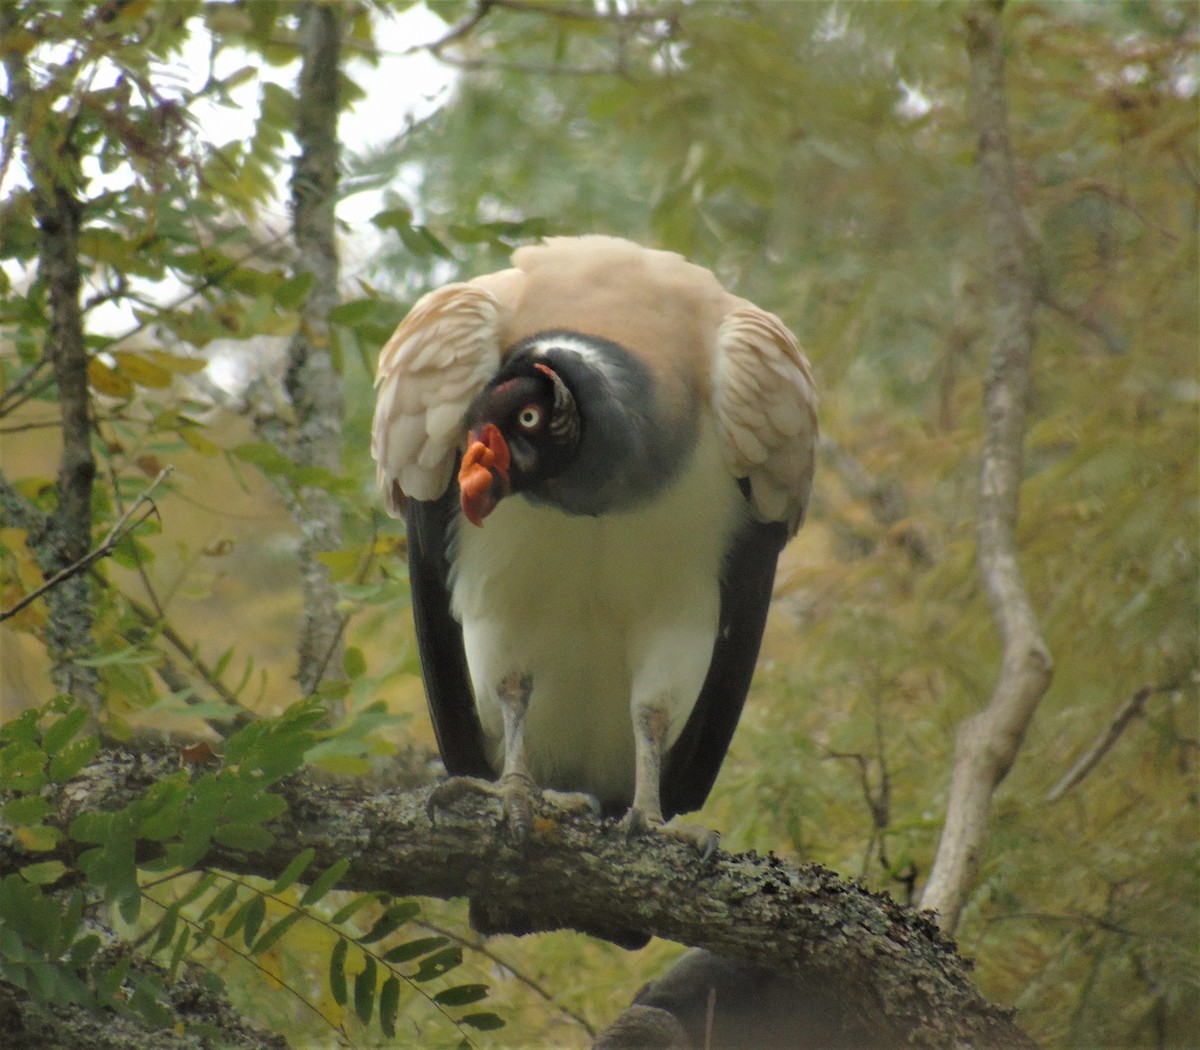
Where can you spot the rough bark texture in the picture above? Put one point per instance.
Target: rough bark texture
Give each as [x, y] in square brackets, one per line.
[989, 741]
[52, 161]
[889, 966]
[312, 382]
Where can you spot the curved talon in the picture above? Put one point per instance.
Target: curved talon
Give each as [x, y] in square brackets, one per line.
[574, 802]
[515, 792]
[448, 791]
[518, 791]
[636, 822]
[518, 796]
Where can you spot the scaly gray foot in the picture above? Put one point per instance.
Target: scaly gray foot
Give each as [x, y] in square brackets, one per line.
[636, 822]
[518, 796]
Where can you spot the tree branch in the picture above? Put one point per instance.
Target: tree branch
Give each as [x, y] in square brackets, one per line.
[18, 510]
[121, 528]
[1125, 713]
[889, 963]
[988, 742]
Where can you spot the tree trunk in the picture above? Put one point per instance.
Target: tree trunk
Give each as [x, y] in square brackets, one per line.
[988, 742]
[52, 160]
[312, 381]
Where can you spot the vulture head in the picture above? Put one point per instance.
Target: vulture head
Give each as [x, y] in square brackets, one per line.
[523, 430]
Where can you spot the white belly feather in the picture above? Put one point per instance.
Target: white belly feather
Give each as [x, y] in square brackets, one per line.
[602, 612]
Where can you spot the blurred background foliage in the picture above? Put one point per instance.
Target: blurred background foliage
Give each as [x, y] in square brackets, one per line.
[819, 157]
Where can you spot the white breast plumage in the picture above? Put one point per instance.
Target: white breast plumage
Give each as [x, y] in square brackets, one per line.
[599, 611]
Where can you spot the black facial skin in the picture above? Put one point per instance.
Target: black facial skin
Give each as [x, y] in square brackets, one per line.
[521, 405]
[616, 452]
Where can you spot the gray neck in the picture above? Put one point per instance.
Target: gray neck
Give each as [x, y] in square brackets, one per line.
[630, 450]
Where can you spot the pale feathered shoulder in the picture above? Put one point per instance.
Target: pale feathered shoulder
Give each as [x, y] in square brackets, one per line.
[766, 406]
[437, 360]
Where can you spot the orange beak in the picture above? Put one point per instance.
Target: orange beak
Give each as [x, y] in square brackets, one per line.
[483, 475]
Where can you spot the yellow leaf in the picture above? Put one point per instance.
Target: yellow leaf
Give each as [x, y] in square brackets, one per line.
[106, 381]
[175, 362]
[37, 838]
[141, 370]
[198, 441]
[342, 564]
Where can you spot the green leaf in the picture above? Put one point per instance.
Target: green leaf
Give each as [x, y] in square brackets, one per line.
[247, 919]
[291, 293]
[220, 903]
[166, 929]
[163, 825]
[91, 827]
[272, 935]
[255, 913]
[131, 654]
[28, 810]
[59, 734]
[67, 763]
[344, 913]
[438, 963]
[264, 456]
[461, 994]
[390, 921]
[354, 312]
[337, 971]
[393, 219]
[296, 867]
[325, 882]
[178, 952]
[389, 1006]
[84, 950]
[484, 1022]
[254, 807]
[421, 946]
[354, 663]
[44, 873]
[198, 888]
[248, 837]
[364, 991]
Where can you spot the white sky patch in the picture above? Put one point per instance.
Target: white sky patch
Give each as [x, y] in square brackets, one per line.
[915, 103]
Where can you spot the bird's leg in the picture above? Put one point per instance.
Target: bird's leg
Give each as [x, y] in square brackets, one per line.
[516, 788]
[651, 723]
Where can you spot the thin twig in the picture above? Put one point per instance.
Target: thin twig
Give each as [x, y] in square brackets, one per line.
[22, 381]
[479, 945]
[188, 652]
[344, 618]
[589, 14]
[534, 69]
[122, 527]
[1125, 713]
[466, 26]
[18, 510]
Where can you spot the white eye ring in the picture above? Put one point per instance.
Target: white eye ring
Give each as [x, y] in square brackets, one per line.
[529, 417]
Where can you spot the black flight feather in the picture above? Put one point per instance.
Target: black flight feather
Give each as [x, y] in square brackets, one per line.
[439, 637]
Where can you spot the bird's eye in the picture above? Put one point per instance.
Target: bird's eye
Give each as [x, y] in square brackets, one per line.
[529, 417]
